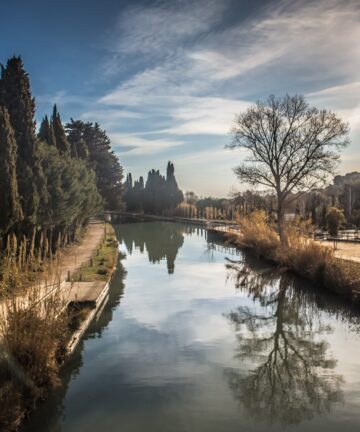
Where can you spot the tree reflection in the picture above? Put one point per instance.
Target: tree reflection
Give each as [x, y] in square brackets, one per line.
[161, 240]
[281, 334]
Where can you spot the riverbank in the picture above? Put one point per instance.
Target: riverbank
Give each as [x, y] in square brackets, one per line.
[298, 254]
[195, 343]
[150, 217]
[42, 328]
[89, 287]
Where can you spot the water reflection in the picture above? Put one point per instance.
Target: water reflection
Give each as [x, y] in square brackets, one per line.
[290, 374]
[159, 366]
[161, 240]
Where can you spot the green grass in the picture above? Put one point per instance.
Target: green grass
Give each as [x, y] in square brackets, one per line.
[103, 260]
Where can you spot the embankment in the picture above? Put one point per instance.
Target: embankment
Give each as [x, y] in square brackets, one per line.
[39, 332]
[298, 254]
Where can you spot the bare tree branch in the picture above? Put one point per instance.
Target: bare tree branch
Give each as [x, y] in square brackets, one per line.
[292, 147]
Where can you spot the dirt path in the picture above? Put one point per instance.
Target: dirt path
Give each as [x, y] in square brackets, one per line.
[75, 255]
[347, 251]
[71, 259]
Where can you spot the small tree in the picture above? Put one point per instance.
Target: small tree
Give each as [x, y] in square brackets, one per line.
[292, 147]
[334, 220]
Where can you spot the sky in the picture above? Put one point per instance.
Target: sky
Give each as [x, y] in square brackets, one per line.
[165, 79]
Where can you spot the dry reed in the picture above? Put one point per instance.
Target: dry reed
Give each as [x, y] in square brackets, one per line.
[299, 254]
[33, 331]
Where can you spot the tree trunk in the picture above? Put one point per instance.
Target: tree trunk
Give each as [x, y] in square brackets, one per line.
[281, 220]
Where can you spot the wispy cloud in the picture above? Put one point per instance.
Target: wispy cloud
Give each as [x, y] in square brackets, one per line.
[344, 98]
[189, 69]
[136, 145]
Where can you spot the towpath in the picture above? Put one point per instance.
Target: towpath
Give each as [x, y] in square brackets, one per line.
[71, 259]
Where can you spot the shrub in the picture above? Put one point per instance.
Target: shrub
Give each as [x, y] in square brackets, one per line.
[257, 234]
[299, 254]
[34, 337]
[334, 220]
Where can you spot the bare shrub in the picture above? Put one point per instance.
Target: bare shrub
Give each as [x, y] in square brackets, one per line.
[300, 253]
[33, 332]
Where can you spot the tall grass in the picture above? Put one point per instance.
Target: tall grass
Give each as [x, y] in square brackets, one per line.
[33, 333]
[299, 253]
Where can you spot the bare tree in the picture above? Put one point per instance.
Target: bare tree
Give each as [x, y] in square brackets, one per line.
[292, 147]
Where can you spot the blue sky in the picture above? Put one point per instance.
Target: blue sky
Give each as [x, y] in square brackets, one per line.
[166, 78]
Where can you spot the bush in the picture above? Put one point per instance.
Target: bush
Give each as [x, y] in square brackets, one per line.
[258, 235]
[299, 254]
[334, 220]
[102, 271]
[34, 338]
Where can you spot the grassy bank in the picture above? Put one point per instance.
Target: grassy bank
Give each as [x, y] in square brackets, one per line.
[102, 263]
[299, 254]
[34, 333]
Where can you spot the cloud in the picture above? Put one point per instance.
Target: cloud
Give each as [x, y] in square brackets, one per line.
[140, 146]
[61, 98]
[345, 99]
[289, 34]
[157, 29]
[185, 70]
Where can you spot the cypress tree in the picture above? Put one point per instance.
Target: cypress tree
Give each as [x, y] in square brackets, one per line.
[74, 133]
[46, 132]
[10, 206]
[60, 137]
[109, 172]
[15, 96]
[173, 194]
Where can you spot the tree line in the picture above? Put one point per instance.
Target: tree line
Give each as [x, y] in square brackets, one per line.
[159, 195]
[54, 179]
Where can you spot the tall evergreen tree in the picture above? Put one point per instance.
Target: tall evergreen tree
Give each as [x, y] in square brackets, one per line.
[15, 96]
[160, 194]
[46, 132]
[101, 158]
[74, 133]
[10, 206]
[174, 194]
[60, 137]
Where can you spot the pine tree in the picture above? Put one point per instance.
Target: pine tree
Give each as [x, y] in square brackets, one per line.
[10, 206]
[46, 132]
[15, 96]
[60, 137]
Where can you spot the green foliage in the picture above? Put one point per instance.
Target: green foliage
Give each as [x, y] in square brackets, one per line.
[16, 97]
[53, 182]
[11, 211]
[73, 196]
[60, 137]
[89, 142]
[46, 132]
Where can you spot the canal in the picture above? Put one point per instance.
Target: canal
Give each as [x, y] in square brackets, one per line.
[199, 337]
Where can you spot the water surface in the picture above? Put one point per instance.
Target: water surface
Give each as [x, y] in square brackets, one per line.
[198, 337]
